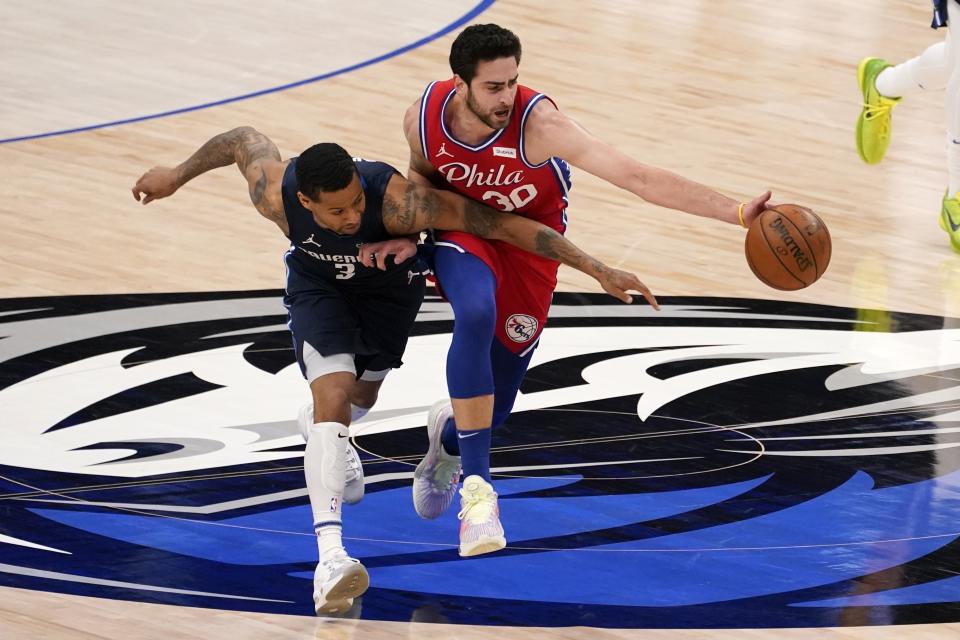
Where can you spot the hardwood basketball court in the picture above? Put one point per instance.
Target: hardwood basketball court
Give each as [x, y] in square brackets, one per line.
[741, 95]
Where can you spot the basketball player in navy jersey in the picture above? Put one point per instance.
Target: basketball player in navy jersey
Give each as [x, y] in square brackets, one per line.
[351, 312]
[883, 85]
[486, 137]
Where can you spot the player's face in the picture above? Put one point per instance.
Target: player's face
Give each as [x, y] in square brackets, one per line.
[339, 211]
[491, 93]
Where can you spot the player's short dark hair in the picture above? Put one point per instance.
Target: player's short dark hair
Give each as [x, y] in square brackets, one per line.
[324, 167]
[481, 42]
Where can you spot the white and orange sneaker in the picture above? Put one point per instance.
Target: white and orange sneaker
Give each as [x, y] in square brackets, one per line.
[480, 528]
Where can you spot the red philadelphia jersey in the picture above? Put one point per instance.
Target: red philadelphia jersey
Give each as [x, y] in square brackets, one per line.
[497, 173]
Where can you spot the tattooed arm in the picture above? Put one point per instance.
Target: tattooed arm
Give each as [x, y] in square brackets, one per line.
[254, 154]
[410, 208]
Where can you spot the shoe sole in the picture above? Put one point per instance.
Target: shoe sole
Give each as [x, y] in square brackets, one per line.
[434, 432]
[486, 546]
[353, 583]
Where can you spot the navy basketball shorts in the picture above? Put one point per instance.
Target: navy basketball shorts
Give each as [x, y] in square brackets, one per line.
[371, 323]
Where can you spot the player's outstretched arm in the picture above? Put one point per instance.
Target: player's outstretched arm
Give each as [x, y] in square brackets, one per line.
[551, 133]
[254, 154]
[410, 208]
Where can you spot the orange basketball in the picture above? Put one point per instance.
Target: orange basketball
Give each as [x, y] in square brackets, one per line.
[788, 247]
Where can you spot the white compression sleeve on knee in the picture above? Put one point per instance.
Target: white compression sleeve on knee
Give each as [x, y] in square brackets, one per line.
[324, 465]
[926, 71]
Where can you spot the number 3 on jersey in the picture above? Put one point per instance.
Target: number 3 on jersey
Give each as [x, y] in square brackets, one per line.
[519, 197]
[346, 271]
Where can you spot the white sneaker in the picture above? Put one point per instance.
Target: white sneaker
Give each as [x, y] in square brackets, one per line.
[354, 489]
[480, 528]
[438, 474]
[336, 582]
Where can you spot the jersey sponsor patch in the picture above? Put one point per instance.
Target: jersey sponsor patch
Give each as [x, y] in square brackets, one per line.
[505, 152]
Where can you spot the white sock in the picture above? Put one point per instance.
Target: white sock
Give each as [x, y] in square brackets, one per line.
[329, 541]
[927, 71]
[324, 465]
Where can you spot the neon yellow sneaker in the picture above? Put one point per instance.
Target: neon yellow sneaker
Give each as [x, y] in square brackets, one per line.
[950, 219]
[873, 125]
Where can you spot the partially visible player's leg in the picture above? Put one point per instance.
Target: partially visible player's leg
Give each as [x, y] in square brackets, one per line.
[470, 287]
[338, 577]
[509, 369]
[926, 72]
[480, 528]
[950, 209]
[363, 395]
[882, 85]
[324, 337]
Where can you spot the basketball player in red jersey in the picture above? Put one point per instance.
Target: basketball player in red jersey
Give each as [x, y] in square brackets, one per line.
[486, 137]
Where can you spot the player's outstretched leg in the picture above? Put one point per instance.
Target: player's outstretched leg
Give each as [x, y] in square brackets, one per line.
[338, 578]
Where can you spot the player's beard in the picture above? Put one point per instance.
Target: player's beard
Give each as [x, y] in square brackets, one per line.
[488, 119]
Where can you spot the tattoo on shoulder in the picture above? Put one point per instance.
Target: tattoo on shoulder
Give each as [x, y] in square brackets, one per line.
[258, 188]
[254, 146]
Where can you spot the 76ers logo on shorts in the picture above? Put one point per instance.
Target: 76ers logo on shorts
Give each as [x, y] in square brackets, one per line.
[521, 327]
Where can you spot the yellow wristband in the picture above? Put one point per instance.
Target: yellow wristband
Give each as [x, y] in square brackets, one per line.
[740, 214]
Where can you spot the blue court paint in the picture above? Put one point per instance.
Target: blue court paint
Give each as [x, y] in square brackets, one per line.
[482, 6]
[384, 523]
[945, 590]
[810, 545]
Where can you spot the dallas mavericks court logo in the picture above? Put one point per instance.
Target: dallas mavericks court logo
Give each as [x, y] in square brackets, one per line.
[720, 463]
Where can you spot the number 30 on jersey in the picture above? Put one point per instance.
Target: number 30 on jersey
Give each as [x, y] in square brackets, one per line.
[518, 198]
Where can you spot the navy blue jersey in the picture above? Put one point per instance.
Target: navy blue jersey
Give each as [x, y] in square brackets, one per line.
[318, 254]
[336, 304]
